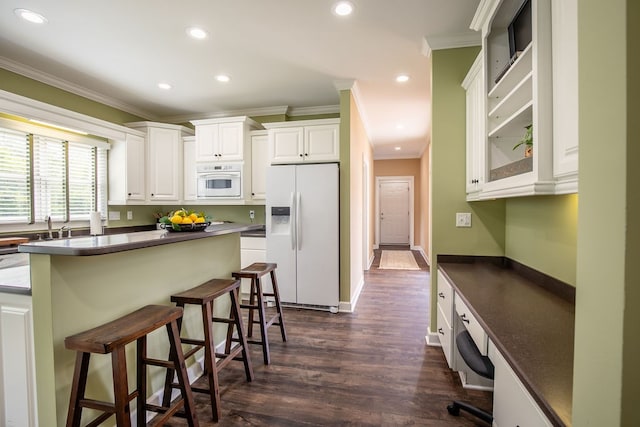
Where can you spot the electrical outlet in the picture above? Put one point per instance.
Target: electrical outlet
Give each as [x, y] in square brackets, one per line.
[114, 216]
[463, 219]
[129, 215]
[252, 214]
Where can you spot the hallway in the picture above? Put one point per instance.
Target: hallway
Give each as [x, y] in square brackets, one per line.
[368, 368]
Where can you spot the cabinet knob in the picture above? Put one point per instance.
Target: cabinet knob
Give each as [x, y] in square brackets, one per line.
[301, 155]
[128, 194]
[440, 331]
[440, 294]
[306, 154]
[464, 318]
[253, 194]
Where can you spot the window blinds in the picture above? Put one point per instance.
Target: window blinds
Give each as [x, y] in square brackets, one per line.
[15, 201]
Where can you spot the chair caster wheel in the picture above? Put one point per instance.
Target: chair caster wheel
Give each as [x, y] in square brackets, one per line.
[453, 409]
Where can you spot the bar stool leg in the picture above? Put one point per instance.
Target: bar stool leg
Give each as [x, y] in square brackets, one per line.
[121, 387]
[276, 295]
[210, 361]
[141, 381]
[168, 380]
[78, 388]
[263, 323]
[252, 302]
[181, 370]
[246, 359]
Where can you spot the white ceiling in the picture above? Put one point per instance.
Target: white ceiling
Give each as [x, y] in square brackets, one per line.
[290, 54]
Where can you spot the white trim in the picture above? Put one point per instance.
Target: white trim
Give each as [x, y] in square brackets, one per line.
[355, 92]
[345, 84]
[263, 111]
[37, 129]
[21, 106]
[450, 41]
[422, 253]
[32, 73]
[273, 125]
[432, 338]
[350, 306]
[410, 181]
[310, 111]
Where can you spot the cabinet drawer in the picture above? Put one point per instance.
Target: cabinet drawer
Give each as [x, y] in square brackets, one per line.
[471, 324]
[253, 243]
[445, 297]
[444, 334]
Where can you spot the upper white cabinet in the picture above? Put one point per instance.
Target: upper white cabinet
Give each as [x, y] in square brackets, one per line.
[163, 160]
[564, 25]
[259, 163]
[127, 156]
[190, 190]
[476, 118]
[518, 84]
[312, 141]
[224, 139]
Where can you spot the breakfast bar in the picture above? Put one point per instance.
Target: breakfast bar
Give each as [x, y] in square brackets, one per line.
[83, 282]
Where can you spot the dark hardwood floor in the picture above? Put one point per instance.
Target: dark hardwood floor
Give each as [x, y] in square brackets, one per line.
[368, 368]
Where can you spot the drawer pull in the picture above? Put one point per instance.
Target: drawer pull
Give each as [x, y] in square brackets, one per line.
[440, 331]
[464, 318]
[441, 295]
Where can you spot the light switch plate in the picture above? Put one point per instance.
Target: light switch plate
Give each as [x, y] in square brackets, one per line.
[463, 219]
[129, 215]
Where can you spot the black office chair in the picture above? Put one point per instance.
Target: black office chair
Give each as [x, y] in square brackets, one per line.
[481, 365]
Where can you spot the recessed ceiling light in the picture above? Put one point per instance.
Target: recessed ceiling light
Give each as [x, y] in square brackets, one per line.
[402, 78]
[164, 86]
[343, 8]
[30, 16]
[399, 126]
[223, 78]
[197, 33]
[397, 148]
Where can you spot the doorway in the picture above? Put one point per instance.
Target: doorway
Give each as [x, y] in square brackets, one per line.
[394, 216]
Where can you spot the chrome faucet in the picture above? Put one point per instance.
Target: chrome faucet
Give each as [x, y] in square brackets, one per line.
[62, 230]
[48, 219]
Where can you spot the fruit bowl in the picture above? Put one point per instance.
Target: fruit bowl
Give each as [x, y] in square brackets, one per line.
[199, 226]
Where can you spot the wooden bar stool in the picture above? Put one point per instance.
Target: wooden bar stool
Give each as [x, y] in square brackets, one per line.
[204, 295]
[257, 301]
[112, 338]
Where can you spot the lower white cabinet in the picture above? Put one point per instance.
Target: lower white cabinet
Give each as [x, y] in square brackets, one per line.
[445, 319]
[512, 404]
[253, 249]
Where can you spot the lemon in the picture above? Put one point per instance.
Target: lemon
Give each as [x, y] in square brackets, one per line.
[199, 220]
[176, 219]
[187, 220]
[193, 217]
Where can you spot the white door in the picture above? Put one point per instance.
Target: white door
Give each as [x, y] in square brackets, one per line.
[394, 212]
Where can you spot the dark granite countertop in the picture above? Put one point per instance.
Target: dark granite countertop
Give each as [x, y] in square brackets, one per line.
[106, 244]
[528, 318]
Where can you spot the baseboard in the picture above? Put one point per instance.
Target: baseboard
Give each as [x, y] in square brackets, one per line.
[371, 261]
[350, 306]
[422, 253]
[432, 339]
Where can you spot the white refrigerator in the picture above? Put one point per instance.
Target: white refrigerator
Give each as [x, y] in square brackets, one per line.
[302, 231]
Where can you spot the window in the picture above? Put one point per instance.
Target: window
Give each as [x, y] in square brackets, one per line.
[43, 176]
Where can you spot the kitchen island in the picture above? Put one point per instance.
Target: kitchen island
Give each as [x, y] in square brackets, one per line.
[80, 283]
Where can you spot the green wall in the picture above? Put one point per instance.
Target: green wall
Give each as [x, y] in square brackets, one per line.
[345, 195]
[541, 232]
[607, 338]
[144, 215]
[448, 172]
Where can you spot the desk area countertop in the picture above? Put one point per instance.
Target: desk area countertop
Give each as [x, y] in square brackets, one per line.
[112, 243]
[531, 325]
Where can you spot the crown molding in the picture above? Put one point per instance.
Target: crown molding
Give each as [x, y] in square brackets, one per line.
[32, 73]
[310, 111]
[484, 13]
[251, 112]
[345, 84]
[450, 41]
[355, 91]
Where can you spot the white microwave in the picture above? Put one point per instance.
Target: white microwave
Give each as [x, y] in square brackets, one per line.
[219, 180]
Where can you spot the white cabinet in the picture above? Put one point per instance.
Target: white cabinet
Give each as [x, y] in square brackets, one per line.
[445, 319]
[127, 170]
[512, 404]
[259, 163]
[519, 93]
[163, 160]
[253, 249]
[223, 140]
[312, 141]
[564, 24]
[476, 117]
[190, 190]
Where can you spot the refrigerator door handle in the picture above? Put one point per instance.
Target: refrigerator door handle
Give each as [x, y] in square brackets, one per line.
[293, 219]
[298, 222]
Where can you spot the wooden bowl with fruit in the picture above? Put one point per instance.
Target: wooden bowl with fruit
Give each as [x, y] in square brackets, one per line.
[184, 220]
